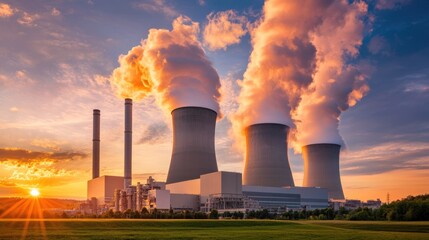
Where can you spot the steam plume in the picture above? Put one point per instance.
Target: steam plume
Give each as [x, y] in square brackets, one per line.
[281, 64]
[337, 85]
[173, 66]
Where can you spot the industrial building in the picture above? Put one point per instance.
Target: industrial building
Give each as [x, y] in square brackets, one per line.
[194, 182]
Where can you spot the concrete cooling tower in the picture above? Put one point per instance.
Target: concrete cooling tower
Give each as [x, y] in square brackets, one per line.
[193, 143]
[267, 162]
[322, 168]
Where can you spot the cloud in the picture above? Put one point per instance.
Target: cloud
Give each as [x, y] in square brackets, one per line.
[14, 109]
[229, 92]
[28, 19]
[386, 157]
[379, 45]
[55, 12]
[224, 29]
[159, 6]
[390, 4]
[46, 143]
[154, 134]
[417, 87]
[202, 2]
[27, 157]
[27, 167]
[6, 10]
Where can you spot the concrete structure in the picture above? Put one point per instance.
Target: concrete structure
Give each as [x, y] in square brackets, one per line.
[193, 144]
[224, 191]
[219, 183]
[180, 202]
[159, 199]
[128, 142]
[96, 144]
[103, 188]
[273, 198]
[322, 168]
[186, 187]
[267, 162]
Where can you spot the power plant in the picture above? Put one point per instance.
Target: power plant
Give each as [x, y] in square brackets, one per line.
[194, 182]
[193, 143]
[322, 168]
[267, 162]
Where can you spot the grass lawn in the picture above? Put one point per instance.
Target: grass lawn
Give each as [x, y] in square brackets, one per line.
[209, 229]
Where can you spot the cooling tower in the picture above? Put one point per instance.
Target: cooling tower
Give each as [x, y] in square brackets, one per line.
[128, 142]
[193, 143]
[96, 144]
[322, 168]
[267, 162]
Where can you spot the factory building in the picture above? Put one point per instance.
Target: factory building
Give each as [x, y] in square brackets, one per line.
[224, 191]
[103, 188]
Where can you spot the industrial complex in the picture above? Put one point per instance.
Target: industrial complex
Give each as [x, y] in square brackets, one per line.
[194, 182]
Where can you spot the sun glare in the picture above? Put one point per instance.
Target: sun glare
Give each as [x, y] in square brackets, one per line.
[34, 192]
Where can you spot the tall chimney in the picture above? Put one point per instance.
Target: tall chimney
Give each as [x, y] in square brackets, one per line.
[96, 144]
[128, 142]
[322, 168]
[193, 143]
[267, 162]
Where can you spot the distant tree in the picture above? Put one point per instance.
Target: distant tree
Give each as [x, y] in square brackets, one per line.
[214, 214]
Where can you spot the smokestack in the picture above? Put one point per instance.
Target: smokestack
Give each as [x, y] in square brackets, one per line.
[193, 143]
[322, 168]
[267, 162]
[128, 141]
[96, 144]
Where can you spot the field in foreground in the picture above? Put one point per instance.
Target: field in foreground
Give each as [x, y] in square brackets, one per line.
[209, 229]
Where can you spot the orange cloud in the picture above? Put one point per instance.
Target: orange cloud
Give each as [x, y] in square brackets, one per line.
[6, 10]
[224, 29]
[30, 168]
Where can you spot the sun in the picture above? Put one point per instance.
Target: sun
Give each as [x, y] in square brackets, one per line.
[34, 192]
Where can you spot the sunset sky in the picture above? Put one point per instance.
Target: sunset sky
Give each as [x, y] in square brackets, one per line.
[57, 59]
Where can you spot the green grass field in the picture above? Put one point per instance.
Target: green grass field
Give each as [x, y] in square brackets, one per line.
[210, 229]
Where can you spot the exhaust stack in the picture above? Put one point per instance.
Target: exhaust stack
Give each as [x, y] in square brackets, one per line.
[322, 168]
[96, 144]
[128, 142]
[267, 162]
[193, 143]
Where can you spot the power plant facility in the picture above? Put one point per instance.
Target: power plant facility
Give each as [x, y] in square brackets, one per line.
[195, 183]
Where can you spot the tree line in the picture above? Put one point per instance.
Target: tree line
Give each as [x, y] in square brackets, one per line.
[412, 208]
